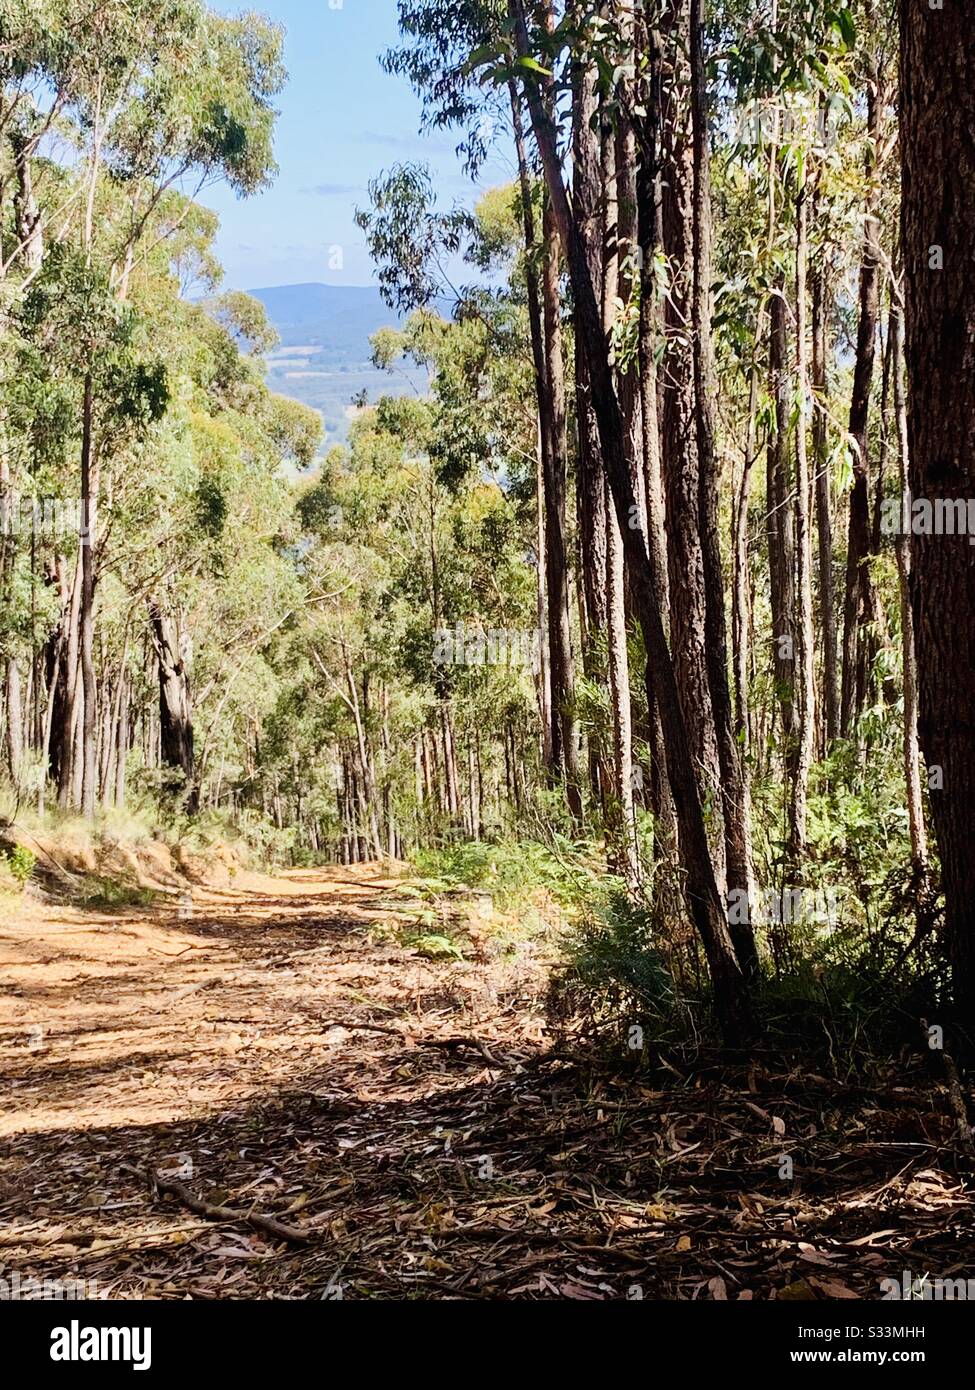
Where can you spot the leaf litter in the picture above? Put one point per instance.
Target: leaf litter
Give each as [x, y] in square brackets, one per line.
[204, 1088]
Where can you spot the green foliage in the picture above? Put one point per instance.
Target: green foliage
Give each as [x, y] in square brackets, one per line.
[101, 892]
[435, 947]
[513, 871]
[614, 969]
[862, 988]
[19, 863]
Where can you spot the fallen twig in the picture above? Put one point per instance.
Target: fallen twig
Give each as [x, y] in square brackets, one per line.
[414, 1038]
[296, 1234]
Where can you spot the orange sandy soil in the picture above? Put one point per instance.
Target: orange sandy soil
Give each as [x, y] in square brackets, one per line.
[416, 1125]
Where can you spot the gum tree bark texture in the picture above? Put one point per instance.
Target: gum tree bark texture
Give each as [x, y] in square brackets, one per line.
[938, 229]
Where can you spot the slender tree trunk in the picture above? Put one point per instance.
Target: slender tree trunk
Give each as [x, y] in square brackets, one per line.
[565, 732]
[805, 654]
[741, 590]
[781, 530]
[621, 819]
[586, 182]
[15, 719]
[651, 336]
[449, 763]
[11, 671]
[590, 488]
[824, 525]
[735, 798]
[175, 706]
[122, 741]
[543, 677]
[473, 795]
[912, 753]
[86, 616]
[68, 722]
[366, 779]
[860, 601]
[619, 809]
[550, 735]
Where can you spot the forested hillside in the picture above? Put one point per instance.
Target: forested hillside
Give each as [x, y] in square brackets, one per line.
[647, 587]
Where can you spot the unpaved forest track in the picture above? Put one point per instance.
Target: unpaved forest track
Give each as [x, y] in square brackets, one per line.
[443, 1151]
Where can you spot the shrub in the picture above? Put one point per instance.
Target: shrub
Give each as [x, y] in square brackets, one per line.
[614, 971]
[20, 863]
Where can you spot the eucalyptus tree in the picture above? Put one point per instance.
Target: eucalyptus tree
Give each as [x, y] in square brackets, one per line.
[937, 68]
[520, 57]
[150, 95]
[440, 40]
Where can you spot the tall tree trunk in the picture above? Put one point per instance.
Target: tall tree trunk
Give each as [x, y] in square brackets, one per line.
[824, 525]
[616, 285]
[86, 612]
[707, 911]
[621, 824]
[11, 671]
[684, 488]
[650, 337]
[781, 529]
[175, 706]
[15, 719]
[741, 583]
[860, 600]
[912, 755]
[805, 654]
[549, 717]
[937, 73]
[735, 802]
[543, 678]
[565, 735]
[546, 337]
[366, 778]
[452, 801]
[590, 486]
[67, 724]
[122, 741]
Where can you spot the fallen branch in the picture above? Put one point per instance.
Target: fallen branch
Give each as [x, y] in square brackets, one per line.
[295, 1234]
[475, 1044]
[416, 1039]
[327, 1023]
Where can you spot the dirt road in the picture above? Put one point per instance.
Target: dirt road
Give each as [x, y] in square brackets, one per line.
[273, 1050]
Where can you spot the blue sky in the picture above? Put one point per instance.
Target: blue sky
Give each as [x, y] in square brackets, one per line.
[342, 120]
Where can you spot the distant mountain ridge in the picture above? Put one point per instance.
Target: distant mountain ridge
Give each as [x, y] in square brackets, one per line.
[339, 318]
[323, 358]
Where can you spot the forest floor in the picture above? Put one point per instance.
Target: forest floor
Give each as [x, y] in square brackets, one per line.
[416, 1126]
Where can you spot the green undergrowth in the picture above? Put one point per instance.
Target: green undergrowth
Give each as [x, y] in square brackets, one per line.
[473, 897]
[514, 872]
[101, 891]
[846, 989]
